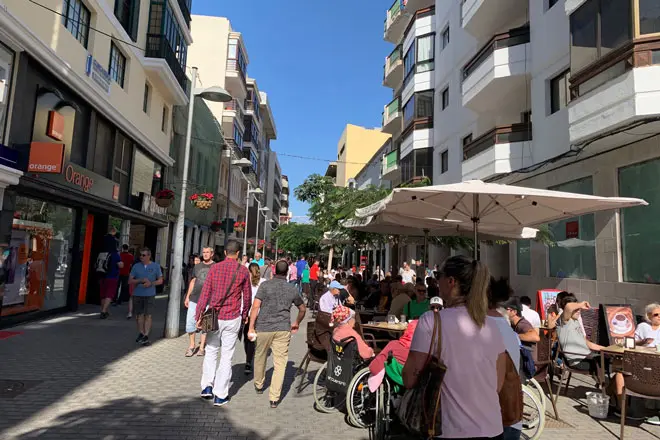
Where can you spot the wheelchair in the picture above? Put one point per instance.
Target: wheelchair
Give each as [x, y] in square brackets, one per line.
[332, 379]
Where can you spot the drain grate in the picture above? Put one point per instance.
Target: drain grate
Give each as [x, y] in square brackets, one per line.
[11, 388]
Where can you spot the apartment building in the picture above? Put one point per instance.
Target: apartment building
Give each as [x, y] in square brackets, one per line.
[273, 195]
[355, 147]
[247, 121]
[285, 215]
[88, 119]
[555, 94]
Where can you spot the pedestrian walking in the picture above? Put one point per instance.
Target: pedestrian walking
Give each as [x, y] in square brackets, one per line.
[270, 319]
[314, 276]
[145, 276]
[108, 264]
[227, 286]
[300, 267]
[199, 273]
[255, 281]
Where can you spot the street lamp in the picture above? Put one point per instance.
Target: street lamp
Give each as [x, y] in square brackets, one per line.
[267, 222]
[216, 94]
[247, 212]
[256, 232]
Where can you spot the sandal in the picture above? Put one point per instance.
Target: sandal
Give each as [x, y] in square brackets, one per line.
[201, 352]
[190, 352]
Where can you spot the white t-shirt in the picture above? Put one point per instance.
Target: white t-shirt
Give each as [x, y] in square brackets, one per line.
[407, 275]
[644, 330]
[328, 301]
[512, 344]
[532, 316]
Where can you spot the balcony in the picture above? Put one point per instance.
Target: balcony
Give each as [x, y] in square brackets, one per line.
[236, 83]
[393, 73]
[392, 117]
[285, 186]
[249, 154]
[159, 48]
[499, 72]
[390, 166]
[415, 5]
[185, 5]
[236, 151]
[234, 110]
[482, 18]
[284, 197]
[396, 21]
[503, 149]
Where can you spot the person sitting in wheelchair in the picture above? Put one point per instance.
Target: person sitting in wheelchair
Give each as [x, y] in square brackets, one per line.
[343, 320]
[391, 359]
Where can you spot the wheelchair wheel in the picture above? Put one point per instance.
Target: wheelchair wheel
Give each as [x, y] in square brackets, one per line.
[538, 390]
[324, 400]
[360, 401]
[381, 426]
[533, 415]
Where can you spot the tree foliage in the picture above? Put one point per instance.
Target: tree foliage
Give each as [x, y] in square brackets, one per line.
[298, 238]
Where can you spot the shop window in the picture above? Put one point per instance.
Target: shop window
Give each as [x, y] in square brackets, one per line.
[37, 262]
[640, 229]
[75, 17]
[117, 68]
[122, 166]
[523, 257]
[574, 252]
[103, 147]
[6, 72]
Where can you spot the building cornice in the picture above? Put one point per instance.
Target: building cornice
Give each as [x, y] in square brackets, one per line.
[24, 37]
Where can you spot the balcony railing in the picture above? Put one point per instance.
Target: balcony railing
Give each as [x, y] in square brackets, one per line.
[235, 66]
[393, 13]
[184, 5]
[231, 143]
[390, 161]
[391, 109]
[235, 106]
[159, 47]
[514, 37]
[505, 134]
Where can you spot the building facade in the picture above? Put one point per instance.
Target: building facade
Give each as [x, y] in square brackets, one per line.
[90, 118]
[285, 215]
[549, 94]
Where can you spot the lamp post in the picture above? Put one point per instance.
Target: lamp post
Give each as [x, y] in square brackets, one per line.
[242, 162]
[247, 213]
[267, 222]
[256, 233]
[216, 94]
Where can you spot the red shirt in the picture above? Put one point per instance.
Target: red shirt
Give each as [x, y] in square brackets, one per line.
[214, 293]
[314, 272]
[127, 258]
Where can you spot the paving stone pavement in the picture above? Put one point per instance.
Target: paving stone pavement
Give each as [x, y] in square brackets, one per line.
[85, 378]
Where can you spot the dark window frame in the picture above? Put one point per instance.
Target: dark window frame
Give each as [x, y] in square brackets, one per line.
[164, 119]
[555, 82]
[77, 26]
[444, 98]
[445, 38]
[127, 13]
[146, 99]
[117, 65]
[418, 107]
[444, 162]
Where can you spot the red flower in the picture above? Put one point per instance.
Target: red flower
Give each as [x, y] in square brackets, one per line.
[165, 194]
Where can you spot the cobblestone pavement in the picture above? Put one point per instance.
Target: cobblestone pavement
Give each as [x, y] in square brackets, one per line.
[84, 378]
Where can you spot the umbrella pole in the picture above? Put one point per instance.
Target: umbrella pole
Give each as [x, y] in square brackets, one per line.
[426, 251]
[475, 222]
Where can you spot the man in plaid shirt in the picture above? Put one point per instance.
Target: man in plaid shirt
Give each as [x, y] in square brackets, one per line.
[232, 300]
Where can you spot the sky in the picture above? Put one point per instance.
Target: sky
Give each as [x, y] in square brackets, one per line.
[321, 64]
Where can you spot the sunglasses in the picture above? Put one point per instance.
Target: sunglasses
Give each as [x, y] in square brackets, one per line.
[144, 255]
[655, 315]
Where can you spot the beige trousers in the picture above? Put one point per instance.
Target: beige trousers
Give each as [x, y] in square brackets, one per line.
[278, 343]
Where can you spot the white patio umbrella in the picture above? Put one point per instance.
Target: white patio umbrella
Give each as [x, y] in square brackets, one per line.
[492, 206]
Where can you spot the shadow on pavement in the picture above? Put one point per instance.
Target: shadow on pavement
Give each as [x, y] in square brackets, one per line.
[136, 418]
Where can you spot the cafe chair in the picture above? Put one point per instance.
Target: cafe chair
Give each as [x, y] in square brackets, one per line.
[319, 334]
[543, 364]
[641, 375]
[566, 372]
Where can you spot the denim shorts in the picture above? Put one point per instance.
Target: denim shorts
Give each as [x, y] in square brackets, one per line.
[191, 326]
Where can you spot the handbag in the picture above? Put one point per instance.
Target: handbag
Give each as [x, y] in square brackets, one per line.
[420, 407]
[209, 319]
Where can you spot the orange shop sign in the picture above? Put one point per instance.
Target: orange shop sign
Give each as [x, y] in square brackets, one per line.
[55, 127]
[45, 157]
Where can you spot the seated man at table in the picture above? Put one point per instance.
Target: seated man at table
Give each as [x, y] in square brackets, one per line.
[525, 330]
[343, 320]
[336, 295]
[579, 352]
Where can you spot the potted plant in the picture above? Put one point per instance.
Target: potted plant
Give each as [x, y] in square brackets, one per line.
[202, 201]
[215, 226]
[164, 198]
[239, 226]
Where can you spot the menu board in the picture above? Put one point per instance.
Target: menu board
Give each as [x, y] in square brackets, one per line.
[619, 321]
[544, 299]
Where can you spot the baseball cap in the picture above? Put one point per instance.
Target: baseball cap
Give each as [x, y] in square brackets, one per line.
[436, 300]
[335, 285]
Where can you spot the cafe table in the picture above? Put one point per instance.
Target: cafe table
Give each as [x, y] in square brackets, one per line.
[385, 326]
[617, 351]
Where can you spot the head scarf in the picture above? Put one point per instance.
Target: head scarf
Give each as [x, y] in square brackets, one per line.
[342, 314]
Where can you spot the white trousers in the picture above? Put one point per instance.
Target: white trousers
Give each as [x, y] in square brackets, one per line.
[218, 375]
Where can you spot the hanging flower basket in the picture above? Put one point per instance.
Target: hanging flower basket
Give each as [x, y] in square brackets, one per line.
[280, 251]
[164, 198]
[239, 226]
[215, 226]
[202, 201]
[250, 241]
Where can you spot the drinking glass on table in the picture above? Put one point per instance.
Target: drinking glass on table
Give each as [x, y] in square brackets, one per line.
[391, 319]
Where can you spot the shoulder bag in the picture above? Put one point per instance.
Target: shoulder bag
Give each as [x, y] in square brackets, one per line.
[209, 319]
[420, 407]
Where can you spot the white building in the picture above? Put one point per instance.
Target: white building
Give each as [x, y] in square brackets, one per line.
[493, 90]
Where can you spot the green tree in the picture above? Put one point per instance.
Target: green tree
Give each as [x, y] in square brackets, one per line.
[298, 238]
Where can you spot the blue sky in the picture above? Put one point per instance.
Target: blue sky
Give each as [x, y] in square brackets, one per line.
[321, 64]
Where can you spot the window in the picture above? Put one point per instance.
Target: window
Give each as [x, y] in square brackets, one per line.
[75, 17]
[117, 68]
[649, 17]
[142, 174]
[559, 93]
[6, 76]
[238, 136]
[146, 98]
[640, 229]
[523, 257]
[445, 98]
[409, 61]
[574, 254]
[121, 171]
[425, 53]
[444, 161]
[445, 38]
[165, 117]
[128, 14]
[551, 3]
[165, 38]
[341, 152]
[467, 139]
[420, 105]
[235, 53]
[598, 27]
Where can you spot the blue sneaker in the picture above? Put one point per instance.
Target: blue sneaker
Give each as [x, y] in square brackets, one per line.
[207, 393]
[220, 402]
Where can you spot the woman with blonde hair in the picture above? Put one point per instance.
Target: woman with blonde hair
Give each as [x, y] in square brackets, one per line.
[648, 333]
[472, 349]
[250, 346]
